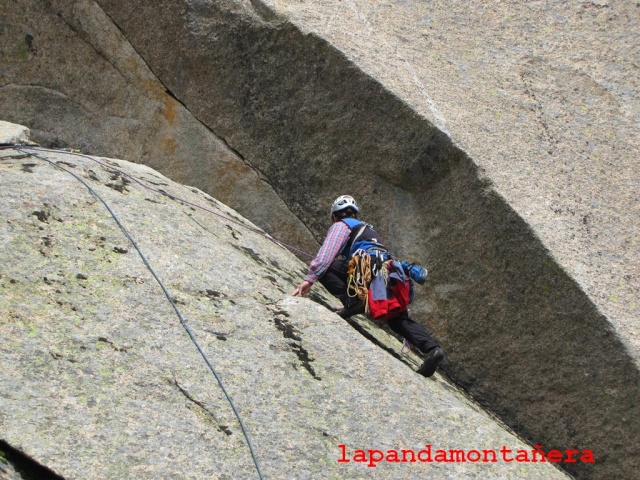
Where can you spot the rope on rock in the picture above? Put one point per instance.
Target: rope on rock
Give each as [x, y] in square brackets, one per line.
[359, 277]
[166, 194]
[166, 292]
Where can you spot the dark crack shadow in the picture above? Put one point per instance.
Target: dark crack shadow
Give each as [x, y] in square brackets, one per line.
[295, 342]
[203, 409]
[27, 467]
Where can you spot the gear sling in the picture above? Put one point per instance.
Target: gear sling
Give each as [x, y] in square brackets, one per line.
[373, 276]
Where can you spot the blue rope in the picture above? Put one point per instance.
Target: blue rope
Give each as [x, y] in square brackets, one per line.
[173, 197]
[166, 293]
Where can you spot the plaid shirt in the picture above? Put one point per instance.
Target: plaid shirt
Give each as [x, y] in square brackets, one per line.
[335, 241]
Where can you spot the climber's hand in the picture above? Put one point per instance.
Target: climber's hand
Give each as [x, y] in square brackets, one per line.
[303, 289]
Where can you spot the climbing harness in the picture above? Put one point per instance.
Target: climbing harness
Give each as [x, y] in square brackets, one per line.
[150, 268]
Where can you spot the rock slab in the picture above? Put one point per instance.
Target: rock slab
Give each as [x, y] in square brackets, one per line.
[100, 379]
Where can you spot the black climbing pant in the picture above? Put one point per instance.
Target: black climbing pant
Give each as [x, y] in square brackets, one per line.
[335, 281]
[415, 333]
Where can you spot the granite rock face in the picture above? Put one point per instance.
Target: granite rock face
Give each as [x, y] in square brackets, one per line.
[548, 339]
[69, 74]
[101, 380]
[505, 135]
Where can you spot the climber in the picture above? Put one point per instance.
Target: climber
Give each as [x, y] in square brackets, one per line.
[330, 268]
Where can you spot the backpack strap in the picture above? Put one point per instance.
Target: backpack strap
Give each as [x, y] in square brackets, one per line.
[357, 229]
[357, 236]
[363, 236]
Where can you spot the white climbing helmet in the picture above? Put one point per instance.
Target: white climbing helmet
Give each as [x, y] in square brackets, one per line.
[342, 202]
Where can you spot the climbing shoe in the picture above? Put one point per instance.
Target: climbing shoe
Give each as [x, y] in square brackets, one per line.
[351, 310]
[432, 359]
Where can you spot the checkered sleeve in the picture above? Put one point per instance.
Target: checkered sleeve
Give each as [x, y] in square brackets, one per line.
[336, 239]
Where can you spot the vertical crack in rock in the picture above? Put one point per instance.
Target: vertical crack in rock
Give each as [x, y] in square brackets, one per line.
[203, 409]
[85, 38]
[263, 11]
[295, 344]
[268, 16]
[222, 139]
